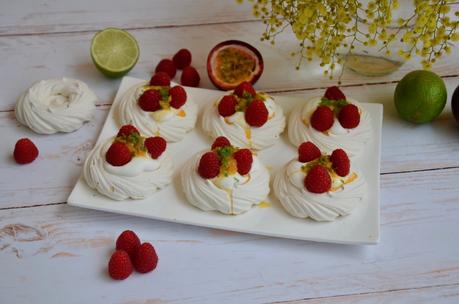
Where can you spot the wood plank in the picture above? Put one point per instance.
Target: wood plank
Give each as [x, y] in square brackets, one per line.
[27, 59]
[405, 147]
[426, 295]
[32, 17]
[64, 245]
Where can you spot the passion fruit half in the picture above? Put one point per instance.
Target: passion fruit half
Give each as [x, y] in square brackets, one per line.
[231, 62]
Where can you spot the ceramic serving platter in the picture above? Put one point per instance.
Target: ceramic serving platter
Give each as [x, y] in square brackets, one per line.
[268, 218]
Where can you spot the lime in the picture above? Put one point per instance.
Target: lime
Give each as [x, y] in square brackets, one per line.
[114, 52]
[420, 96]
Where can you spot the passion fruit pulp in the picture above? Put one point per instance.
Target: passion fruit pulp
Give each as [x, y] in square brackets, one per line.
[231, 62]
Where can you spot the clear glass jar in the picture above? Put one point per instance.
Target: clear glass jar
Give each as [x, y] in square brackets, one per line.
[373, 60]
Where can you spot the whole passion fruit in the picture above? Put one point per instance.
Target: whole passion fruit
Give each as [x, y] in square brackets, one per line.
[455, 103]
[231, 62]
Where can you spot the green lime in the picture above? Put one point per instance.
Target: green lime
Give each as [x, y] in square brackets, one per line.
[114, 52]
[420, 96]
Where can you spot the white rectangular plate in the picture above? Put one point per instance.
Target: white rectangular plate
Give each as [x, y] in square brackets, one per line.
[169, 204]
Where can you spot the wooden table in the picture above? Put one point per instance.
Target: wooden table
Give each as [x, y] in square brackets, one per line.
[53, 253]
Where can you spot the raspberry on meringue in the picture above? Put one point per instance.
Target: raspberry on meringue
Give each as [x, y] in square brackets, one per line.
[226, 179]
[324, 196]
[350, 132]
[163, 119]
[248, 118]
[137, 176]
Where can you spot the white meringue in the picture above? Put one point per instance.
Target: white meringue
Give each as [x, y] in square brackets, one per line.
[234, 194]
[171, 124]
[239, 132]
[344, 196]
[138, 179]
[56, 105]
[353, 141]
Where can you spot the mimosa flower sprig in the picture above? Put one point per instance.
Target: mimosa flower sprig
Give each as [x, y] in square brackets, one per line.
[327, 28]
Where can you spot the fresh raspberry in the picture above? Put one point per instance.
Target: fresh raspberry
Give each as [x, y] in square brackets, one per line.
[244, 161]
[25, 151]
[340, 162]
[244, 86]
[307, 152]
[178, 96]
[128, 241]
[334, 93]
[160, 79]
[190, 77]
[167, 66]
[149, 101]
[227, 106]
[220, 141]
[209, 165]
[119, 266]
[127, 130]
[256, 113]
[118, 154]
[318, 180]
[349, 116]
[322, 118]
[182, 58]
[155, 146]
[145, 258]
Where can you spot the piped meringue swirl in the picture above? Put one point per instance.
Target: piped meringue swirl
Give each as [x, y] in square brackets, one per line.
[138, 179]
[171, 124]
[56, 105]
[233, 194]
[353, 141]
[236, 129]
[345, 194]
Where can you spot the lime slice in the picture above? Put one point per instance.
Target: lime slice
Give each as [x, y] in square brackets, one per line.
[114, 52]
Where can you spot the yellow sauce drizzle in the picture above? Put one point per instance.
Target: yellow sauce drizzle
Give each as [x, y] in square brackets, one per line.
[264, 204]
[181, 113]
[351, 178]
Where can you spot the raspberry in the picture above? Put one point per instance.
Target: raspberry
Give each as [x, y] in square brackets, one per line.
[322, 118]
[167, 66]
[209, 165]
[307, 152]
[244, 86]
[127, 130]
[149, 101]
[317, 180]
[178, 96]
[256, 113]
[118, 154]
[155, 146]
[334, 93]
[190, 77]
[340, 162]
[244, 161]
[128, 241]
[119, 266]
[220, 141]
[182, 58]
[227, 106]
[25, 151]
[160, 79]
[145, 258]
[349, 116]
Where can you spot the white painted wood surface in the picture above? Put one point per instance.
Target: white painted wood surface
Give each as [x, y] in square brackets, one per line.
[53, 253]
